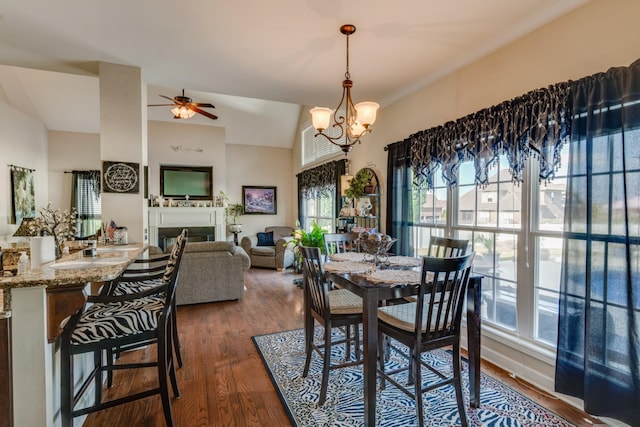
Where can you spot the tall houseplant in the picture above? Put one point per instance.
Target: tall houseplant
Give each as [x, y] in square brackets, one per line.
[234, 211]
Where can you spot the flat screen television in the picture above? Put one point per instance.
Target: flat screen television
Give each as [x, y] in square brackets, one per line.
[180, 181]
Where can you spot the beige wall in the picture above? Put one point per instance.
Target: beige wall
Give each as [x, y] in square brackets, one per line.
[234, 165]
[252, 165]
[181, 143]
[69, 151]
[23, 142]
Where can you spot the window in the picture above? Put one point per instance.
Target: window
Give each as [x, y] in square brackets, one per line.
[320, 209]
[87, 201]
[430, 207]
[518, 299]
[317, 148]
[490, 217]
[546, 232]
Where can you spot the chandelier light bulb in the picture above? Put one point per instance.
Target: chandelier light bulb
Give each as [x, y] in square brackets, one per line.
[321, 116]
[357, 129]
[367, 112]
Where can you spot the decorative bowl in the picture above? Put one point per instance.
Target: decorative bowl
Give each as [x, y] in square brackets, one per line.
[376, 247]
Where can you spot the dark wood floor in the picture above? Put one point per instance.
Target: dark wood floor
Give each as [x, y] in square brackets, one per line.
[223, 381]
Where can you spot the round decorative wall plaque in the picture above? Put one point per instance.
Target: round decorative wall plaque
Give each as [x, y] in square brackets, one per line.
[121, 177]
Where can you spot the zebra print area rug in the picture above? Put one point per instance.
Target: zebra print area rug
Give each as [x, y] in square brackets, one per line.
[283, 355]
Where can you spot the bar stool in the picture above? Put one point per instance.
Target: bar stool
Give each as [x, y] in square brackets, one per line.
[123, 322]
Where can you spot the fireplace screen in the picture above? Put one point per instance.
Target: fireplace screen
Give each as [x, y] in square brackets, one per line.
[167, 236]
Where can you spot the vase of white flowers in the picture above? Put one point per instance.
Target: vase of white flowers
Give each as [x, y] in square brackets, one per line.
[54, 222]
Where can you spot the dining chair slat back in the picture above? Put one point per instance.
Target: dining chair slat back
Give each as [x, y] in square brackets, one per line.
[430, 322]
[341, 242]
[444, 247]
[314, 280]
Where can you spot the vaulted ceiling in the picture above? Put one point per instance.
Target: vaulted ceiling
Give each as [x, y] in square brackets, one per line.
[256, 61]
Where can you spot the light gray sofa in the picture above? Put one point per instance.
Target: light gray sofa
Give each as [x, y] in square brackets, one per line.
[278, 256]
[211, 271]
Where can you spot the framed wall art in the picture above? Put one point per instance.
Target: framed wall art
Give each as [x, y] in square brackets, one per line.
[259, 199]
[23, 197]
[120, 177]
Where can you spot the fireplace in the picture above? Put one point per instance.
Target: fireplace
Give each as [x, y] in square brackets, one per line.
[202, 224]
[167, 235]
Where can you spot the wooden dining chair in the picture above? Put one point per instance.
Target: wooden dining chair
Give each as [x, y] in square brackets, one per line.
[432, 322]
[340, 242]
[446, 247]
[338, 308]
[122, 322]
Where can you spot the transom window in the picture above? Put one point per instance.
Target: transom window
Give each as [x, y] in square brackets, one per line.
[318, 148]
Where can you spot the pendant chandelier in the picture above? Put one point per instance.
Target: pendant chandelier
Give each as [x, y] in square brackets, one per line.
[350, 122]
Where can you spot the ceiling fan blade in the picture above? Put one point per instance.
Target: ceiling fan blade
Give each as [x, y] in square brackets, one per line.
[204, 113]
[170, 99]
[160, 105]
[202, 105]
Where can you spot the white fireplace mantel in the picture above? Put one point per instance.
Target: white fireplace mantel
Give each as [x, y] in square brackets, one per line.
[186, 217]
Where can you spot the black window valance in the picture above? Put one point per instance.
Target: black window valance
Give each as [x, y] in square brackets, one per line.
[536, 123]
[320, 180]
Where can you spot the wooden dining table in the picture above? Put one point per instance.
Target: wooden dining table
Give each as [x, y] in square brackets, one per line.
[372, 293]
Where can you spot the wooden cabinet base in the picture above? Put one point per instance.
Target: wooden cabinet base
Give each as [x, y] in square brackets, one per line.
[62, 303]
[6, 402]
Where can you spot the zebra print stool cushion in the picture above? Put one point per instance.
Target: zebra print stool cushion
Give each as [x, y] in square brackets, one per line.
[171, 264]
[133, 287]
[103, 321]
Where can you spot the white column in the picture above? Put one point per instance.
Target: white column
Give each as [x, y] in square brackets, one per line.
[123, 138]
[32, 358]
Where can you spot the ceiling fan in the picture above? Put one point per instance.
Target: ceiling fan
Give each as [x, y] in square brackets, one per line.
[185, 108]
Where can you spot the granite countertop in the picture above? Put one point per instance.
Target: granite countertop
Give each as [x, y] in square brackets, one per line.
[72, 269]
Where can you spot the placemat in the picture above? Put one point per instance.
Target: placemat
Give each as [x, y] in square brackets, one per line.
[349, 267]
[404, 261]
[394, 277]
[347, 256]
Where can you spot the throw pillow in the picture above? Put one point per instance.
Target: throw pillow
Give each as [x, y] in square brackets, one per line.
[265, 239]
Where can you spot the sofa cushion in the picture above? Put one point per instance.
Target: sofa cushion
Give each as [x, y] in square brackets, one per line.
[210, 247]
[265, 239]
[264, 251]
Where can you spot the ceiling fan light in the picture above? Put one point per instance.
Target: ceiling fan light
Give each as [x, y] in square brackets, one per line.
[320, 116]
[182, 113]
[366, 112]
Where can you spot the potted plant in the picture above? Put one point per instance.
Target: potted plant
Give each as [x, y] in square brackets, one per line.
[314, 238]
[301, 237]
[358, 183]
[234, 211]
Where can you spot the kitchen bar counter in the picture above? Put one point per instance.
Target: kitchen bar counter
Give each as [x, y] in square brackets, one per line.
[37, 303]
[70, 269]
